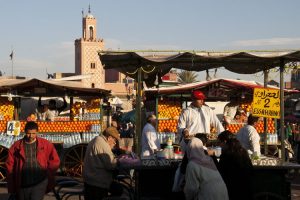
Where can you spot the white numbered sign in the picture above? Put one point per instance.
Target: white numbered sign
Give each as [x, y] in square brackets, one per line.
[13, 128]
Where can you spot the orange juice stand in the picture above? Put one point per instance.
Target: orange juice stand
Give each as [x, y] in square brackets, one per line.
[150, 66]
[171, 100]
[69, 133]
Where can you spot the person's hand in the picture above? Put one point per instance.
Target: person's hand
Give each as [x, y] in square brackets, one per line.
[210, 152]
[185, 133]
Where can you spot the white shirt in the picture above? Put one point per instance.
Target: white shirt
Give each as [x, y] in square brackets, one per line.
[230, 111]
[150, 140]
[249, 139]
[198, 120]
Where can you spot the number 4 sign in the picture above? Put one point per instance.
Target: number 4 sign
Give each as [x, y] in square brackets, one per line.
[13, 128]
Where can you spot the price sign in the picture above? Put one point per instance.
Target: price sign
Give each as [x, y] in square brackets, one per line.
[266, 103]
[13, 128]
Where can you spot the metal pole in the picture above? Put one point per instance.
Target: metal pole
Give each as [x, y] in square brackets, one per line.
[266, 74]
[282, 110]
[137, 139]
[156, 111]
[12, 67]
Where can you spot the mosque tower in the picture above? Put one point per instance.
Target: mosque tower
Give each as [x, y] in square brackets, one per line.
[87, 61]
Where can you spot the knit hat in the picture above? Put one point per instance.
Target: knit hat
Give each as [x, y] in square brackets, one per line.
[198, 95]
[111, 131]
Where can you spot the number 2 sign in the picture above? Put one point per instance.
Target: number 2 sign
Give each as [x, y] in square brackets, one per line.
[266, 103]
[13, 128]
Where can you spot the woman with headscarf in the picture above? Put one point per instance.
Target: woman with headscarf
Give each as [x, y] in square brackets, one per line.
[203, 180]
[236, 168]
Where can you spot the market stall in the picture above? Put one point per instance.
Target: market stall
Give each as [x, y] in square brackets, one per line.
[69, 132]
[150, 66]
[171, 100]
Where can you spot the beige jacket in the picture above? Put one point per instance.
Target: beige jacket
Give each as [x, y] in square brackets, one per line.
[99, 162]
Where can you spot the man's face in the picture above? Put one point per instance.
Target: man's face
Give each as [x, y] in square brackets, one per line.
[30, 135]
[153, 122]
[111, 141]
[198, 102]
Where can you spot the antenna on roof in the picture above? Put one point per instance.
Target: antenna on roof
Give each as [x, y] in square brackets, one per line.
[89, 9]
[50, 76]
[82, 13]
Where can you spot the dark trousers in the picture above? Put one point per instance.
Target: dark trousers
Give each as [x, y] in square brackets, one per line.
[35, 192]
[94, 193]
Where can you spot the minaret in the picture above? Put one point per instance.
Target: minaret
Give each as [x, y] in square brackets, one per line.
[86, 53]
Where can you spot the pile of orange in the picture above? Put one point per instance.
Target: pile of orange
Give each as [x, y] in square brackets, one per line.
[168, 115]
[58, 127]
[168, 110]
[270, 126]
[169, 125]
[92, 106]
[6, 109]
[234, 128]
[246, 107]
[3, 125]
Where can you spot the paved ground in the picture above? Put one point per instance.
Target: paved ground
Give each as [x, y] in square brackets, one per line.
[295, 191]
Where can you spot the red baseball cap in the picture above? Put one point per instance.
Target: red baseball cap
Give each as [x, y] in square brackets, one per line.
[198, 95]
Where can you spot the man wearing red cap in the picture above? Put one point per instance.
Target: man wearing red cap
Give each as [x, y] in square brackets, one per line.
[197, 118]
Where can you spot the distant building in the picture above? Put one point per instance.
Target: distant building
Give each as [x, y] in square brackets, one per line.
[59, 75]
[86, 53]
[295, 79]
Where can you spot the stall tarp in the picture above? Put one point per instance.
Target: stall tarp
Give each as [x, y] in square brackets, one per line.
[36, 87]
[222, 83]
[158, 62]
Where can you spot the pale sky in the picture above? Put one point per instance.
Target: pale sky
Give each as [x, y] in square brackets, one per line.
[42, 33]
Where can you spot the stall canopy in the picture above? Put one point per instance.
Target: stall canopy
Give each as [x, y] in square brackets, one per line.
[36, 87]
[161, 62]
[226, 86]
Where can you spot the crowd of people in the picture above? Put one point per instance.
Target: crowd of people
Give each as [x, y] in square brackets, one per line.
[33, 161]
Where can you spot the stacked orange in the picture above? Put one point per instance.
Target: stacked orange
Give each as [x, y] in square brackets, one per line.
[78, 126]
[6, 109]
[75, 108]
[169, 125]
[58, 127]
[3, 125]
[234, 128]
[270, 126]
[93, 106]
[246, 107]
[169, 110]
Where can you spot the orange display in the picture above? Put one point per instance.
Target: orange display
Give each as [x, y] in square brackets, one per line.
[168, 114]
[168, 110]
[234, 128]
[92, 106]
[6, 109]
[169, 125]
[57, 127]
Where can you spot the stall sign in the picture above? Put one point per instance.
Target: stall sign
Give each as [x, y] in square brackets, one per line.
[266, 103]
[216, 92]
[13, 128]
